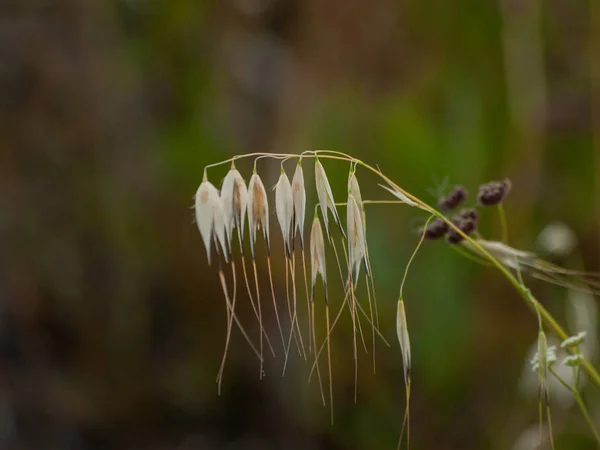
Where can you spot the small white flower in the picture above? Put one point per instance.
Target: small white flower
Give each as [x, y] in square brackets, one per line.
[234, 196]
[258, 207]
[299, 194]
[557, 238]
[210, 217]
[574, 340]
[317, 256]
[284, 208]
[573, 360]
[403, 339]
[356, 237]
[326, 197]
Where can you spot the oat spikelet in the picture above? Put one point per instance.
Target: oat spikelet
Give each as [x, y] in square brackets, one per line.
[356, 238]
[299, 195]
[234, 196]
[210, 217]
[326, 198]
[299, 200]
[284, 208]
[258, 210]
[317, 257]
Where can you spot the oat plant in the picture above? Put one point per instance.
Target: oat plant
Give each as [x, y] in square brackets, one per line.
[452, 221]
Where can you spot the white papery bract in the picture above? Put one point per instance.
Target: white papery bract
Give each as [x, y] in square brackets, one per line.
[403, 338]
[399, 195]
[210, 217]
[317, 256]
[326, 197]
[354, 190]
[234, 197]
[258, 211]
[573, 341]
[356, 237]
[299, 196]
[284, 208]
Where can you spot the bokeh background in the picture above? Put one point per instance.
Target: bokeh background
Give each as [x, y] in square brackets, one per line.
[112, 324]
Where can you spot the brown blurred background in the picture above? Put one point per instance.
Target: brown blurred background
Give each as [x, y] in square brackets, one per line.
[111, 322]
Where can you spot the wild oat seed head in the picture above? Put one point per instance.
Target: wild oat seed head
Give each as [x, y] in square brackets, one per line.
[234, 196]
[354, 189]
[204, 214]
[317, 256]
[453, 200]
[258, 210]
[299, 194]
[219, 224]
[403, 339]
[356, 237]
[325, 197]
[210, 217]
[284, 208]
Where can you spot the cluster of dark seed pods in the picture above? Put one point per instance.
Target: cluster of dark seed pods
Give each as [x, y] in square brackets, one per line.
[492, 193]
[465, 221]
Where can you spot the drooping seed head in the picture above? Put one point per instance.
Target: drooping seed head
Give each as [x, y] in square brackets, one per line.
[258, 211]
[494, 192]
[354, 190]
[299, 195]
[317, 256]
[219, 225]
[284, 208]
[234, 196]
[403, 338]
[356, 237]
[454, 199]
[210, 217]
[326, 197]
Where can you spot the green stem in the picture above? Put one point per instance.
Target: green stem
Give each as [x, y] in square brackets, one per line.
[579, 401]
[503, 225]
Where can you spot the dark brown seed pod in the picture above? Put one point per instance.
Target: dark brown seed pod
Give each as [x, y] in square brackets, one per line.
[435, 230]
[454, 199]
[469, 214]
[494, 192]
[466, 223]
